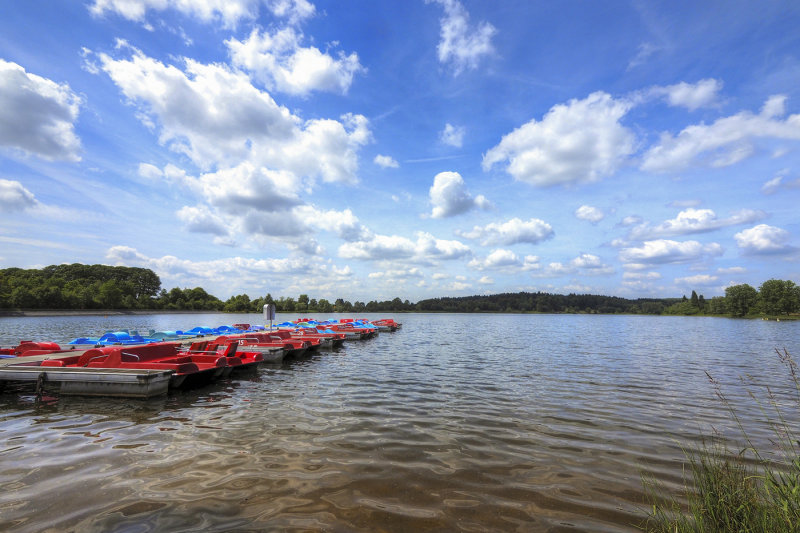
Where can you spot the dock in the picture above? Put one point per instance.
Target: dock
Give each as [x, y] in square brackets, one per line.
[119, 382]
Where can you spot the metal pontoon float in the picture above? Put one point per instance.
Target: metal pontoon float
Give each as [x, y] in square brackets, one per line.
[120, 382]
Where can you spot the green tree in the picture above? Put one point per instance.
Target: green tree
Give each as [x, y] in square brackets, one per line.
[302, 302]
[695, 300]
[718, 305]
[779, 297]
[238, 304]
[740, 299]
[109, 296]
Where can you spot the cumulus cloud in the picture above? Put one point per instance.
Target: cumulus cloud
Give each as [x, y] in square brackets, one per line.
[216, 117]
[396, 275]
[589, 213]
[732, 270]
[38, 115]
[691, 96]
[726, 141]
[425, 249]
[386, 161]
[452, 135]
[702, 280]
[764, 239]
[462, 46]
[280, 62]
[14, 197]
[450, 197]
[664, 251]
[692, 220]
[641, 276]
[580, 141]
[505, 260]
[202, 220]
[585, 264]
[513, 231]
[233, 272]
[228, 12]
[343, 223]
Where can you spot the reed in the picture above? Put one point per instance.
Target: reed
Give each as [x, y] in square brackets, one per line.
[752, 490]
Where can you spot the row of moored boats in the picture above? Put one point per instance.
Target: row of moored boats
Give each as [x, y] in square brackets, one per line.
[201, 354]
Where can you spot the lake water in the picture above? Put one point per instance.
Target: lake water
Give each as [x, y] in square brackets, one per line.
[453, 423]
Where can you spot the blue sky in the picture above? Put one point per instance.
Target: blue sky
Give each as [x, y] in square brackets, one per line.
[413, 149]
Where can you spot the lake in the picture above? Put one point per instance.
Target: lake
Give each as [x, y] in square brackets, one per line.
[472, 422]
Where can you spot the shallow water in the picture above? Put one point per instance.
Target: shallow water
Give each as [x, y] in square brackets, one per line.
[453, 423]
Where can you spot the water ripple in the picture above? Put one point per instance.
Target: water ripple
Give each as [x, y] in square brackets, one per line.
[454, 423]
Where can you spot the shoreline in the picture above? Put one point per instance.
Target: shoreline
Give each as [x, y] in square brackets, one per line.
[11, 313]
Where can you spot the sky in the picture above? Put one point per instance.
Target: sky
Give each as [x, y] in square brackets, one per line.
[404, 148]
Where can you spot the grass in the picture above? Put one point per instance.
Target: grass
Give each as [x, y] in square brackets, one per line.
[736, 491]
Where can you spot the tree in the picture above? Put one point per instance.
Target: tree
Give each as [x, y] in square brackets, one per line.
[302, 301]
[779, 297]
[718, 305]
[695, 300]
[740, 299]
[109, 296]
[238, 304]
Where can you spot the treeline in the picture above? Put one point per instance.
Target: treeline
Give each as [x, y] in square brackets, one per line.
[542, 302]
[83, 287]
[775, 297]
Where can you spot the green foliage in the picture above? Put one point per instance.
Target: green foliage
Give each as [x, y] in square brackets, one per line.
[779, 297]
[740, 299]
[78, 286]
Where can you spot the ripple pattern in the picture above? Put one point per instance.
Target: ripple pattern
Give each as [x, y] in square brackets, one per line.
[454, 423]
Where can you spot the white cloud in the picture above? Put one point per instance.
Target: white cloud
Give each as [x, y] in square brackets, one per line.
[505, 260]
[15, 197]
[777, 183]
[732, 270]
[513, 231]
[486, 280]
[396, 275]
[693, 220]
[589, 213]
[281, 63]
[764, 239]
[450, 197]
[386, 161]
[581, 141]
[641, 275]
[726, 141]
[232, 273]
[292, 10]
[643, 53]
[202, 220]
[38, 115]
[461, 45]
[663, 251]
[452, 135]
[425, 249]
[585, 264]
[631, 220]
[215, 116]
[229, 12]
[343, 223]
[691, 96]
[698, 280]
